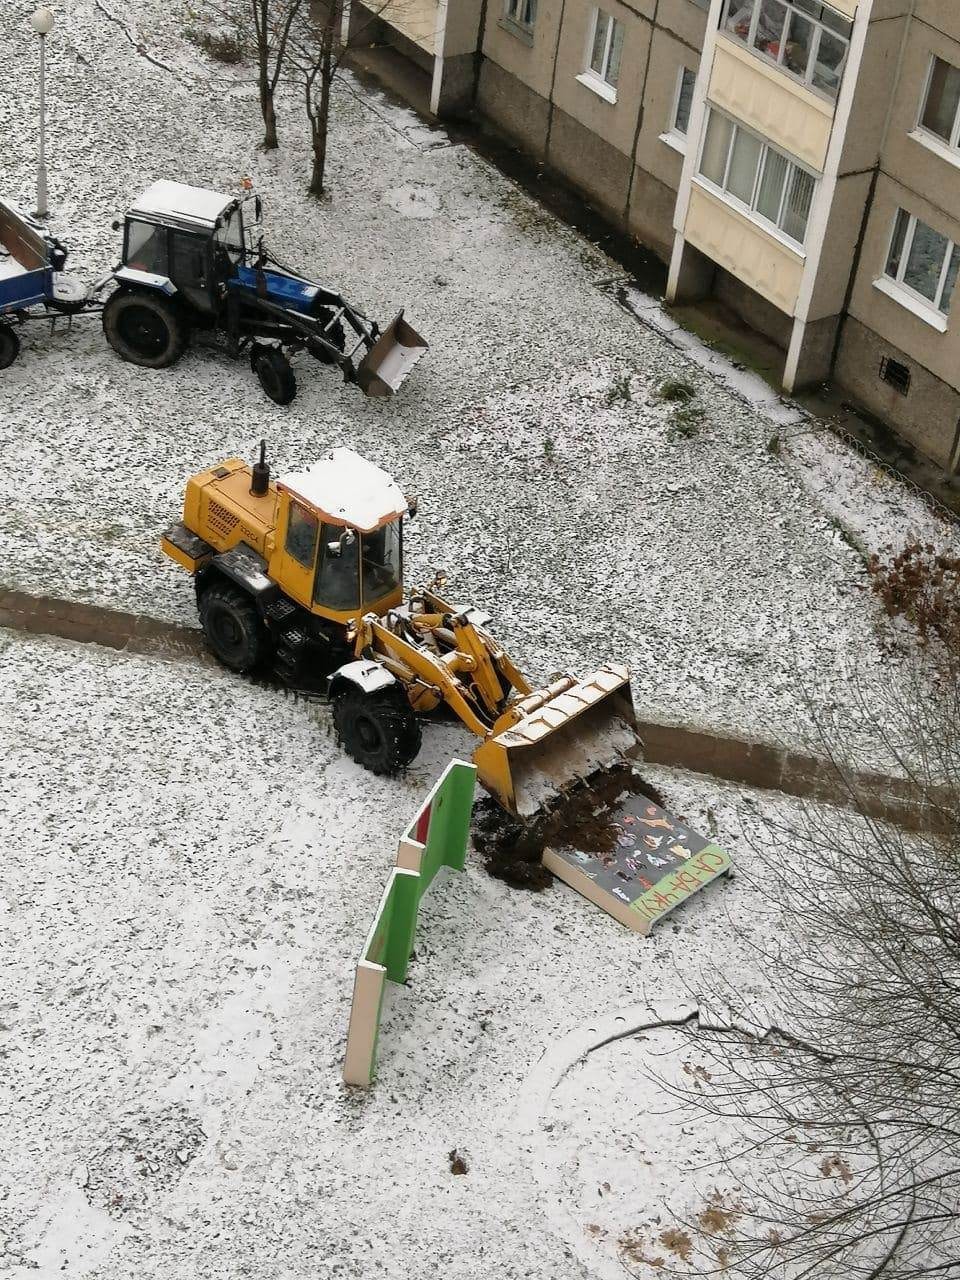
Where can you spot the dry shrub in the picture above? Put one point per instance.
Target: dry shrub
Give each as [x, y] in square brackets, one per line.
[922, 585]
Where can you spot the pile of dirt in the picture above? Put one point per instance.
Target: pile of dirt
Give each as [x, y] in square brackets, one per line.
[512, 850]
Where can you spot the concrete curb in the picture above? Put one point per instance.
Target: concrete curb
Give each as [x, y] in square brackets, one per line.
[751, 764]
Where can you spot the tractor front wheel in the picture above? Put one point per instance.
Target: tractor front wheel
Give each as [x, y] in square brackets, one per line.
[9, 346]
[232, 627]
[275, 373]
[144, 328]
[378, 730]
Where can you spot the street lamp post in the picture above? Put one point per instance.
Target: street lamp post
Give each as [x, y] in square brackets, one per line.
[42, 21]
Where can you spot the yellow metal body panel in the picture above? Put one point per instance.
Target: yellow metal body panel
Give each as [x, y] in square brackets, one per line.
[219, 507]
[181, 557]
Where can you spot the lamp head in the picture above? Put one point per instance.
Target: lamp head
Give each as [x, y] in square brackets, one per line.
[42, 21]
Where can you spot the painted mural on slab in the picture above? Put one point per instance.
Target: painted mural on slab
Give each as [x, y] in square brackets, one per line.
[649, 862]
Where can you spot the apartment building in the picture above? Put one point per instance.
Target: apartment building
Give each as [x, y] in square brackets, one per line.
[799, 160]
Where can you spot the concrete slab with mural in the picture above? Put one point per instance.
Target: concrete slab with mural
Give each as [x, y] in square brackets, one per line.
[635, 859]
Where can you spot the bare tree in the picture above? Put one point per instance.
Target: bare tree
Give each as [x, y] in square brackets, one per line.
[268, 26]
[273, 22]
[848, 1111]
[320, 57]
[318, 69]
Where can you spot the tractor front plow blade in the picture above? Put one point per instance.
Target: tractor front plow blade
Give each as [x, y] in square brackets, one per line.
[557, 737]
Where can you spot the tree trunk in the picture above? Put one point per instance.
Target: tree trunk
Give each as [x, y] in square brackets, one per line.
[261, 25]
[270, 140]
[319, 140]
[320, 114]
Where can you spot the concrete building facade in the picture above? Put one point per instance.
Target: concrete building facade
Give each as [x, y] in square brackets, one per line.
[799, 160]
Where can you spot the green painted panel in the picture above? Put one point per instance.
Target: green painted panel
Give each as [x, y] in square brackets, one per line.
[450, 811]
[404, 900]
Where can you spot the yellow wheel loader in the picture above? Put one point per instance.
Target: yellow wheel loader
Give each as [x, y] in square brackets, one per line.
[303, 576]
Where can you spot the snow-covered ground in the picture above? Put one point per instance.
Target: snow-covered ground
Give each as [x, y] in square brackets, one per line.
[190, 868]
[191, 864]
[558, 490]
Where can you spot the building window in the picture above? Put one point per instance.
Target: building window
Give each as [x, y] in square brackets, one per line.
[805, 38]
[680, 109]
[606, 46]
[941, 106]
[922, 261]
[522, 13]
[757, 176]
[683, 103]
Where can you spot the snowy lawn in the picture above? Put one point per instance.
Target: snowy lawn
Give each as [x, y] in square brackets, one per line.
[190, 868]
[590, 517]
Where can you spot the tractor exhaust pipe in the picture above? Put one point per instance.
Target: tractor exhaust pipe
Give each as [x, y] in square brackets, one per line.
[260, 473]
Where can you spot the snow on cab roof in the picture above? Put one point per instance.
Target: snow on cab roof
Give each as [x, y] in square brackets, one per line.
[175, 199]
[348, 489]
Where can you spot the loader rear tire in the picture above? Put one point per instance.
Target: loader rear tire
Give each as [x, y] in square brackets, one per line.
[144, 328]
[378, 730]
[232, 627]
[275, 373]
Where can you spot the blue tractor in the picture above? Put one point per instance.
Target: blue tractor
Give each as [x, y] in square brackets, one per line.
[191, 262]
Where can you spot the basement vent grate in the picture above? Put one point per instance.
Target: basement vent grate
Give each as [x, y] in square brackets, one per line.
[897, 374]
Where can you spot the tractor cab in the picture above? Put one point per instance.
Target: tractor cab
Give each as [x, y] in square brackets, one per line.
[338, 547]
[183, 240]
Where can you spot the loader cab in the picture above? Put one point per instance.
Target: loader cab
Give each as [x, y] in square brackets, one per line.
[184, 237]
[339, 538]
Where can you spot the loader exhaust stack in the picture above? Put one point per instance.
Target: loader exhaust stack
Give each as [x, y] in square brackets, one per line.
[385, 367]
[557, 737]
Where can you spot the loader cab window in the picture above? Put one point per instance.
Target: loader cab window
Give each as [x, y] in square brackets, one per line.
[381, 561]
[302, 529]
[146, 248]
[338, 575]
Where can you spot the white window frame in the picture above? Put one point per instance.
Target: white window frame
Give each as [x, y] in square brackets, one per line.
[898, 289]
[807, 78]
[761, 220]
[951, 144]
[598, 82]
[513, 11]
[674, 136]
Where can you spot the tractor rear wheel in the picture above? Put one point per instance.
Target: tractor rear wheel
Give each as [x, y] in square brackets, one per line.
[275, 373]
[379, 730]
[144, 328]
[232, 627]
[9, 346]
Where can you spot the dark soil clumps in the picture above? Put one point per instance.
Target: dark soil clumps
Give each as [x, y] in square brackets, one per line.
[512, 849]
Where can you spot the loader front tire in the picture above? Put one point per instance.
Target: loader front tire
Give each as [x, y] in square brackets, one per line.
[232, 627]
[144, 328]
[378, 730]
[274, 372]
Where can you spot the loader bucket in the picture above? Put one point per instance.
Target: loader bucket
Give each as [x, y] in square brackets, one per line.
[385, 366]
[564, 737]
